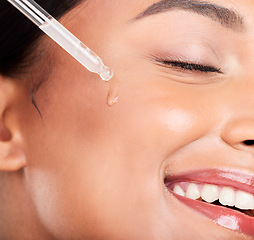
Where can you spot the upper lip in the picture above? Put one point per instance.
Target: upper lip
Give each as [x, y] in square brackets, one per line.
[222, 177]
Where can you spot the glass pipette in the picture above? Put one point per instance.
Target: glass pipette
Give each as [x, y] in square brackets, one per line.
[63, 37]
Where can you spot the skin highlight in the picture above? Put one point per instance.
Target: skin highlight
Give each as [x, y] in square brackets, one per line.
[94, 171]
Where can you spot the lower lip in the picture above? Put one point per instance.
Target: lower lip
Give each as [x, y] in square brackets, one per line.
[225, 217]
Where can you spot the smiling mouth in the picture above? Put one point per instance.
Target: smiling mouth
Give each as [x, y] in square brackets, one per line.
[225, 197]
[218, 195]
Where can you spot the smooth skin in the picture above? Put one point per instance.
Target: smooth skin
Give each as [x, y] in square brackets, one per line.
[87, 170]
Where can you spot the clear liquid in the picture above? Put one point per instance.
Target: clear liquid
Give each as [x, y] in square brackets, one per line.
[113, 93]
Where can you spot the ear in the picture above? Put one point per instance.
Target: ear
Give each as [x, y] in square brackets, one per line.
[12, 156]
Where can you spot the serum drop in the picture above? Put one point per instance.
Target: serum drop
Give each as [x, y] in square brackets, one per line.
[113, 94]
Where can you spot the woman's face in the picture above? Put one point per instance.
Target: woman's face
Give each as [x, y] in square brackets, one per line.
[183, 75]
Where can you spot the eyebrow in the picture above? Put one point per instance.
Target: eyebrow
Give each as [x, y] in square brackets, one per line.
[226, 17]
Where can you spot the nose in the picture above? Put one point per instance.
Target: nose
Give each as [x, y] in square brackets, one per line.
[238, 126]
[239, 133]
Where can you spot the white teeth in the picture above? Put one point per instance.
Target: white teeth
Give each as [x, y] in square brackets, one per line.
[178, 190]
[244, 200]
[193, 191]
[210, 193]
[227, 196]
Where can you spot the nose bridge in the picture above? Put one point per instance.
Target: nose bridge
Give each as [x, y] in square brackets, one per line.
[238, 124]
[245, 89]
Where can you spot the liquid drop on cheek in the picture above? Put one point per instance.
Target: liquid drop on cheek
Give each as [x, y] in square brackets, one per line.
[113, 93]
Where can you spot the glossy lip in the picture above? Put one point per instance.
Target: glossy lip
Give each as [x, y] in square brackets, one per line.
[236, 179]
[223, 216]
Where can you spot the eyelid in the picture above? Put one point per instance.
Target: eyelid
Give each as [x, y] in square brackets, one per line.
[189, 66]
[185, 64]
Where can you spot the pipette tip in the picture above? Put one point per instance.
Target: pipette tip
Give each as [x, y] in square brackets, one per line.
[106, 73]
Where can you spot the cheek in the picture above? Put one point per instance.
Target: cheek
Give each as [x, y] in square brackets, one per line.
[178, 120]
[91, 166]
[163, 117]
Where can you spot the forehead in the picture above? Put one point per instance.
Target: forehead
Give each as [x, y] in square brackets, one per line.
[132, 8]
[110, 13]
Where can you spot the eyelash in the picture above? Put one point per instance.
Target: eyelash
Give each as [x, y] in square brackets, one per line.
[186, 66]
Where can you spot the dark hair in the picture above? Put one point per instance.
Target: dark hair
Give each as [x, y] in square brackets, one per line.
[18, 35]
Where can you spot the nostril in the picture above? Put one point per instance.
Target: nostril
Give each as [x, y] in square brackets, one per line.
[249, 142]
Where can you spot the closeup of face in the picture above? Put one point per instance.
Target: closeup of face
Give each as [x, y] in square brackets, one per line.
[133, 158]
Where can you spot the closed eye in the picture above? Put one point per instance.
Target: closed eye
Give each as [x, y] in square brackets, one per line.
[187, 66]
